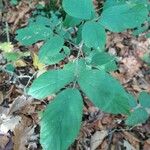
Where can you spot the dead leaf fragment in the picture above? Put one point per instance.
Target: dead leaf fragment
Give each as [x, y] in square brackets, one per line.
[9, 123]
[133, 140]
[130, 65]
[36, 62]
[19, 102]
[20, 63]
[98, 138]
[3, 141]
[128, 146]
[147, 145]
[23, 133]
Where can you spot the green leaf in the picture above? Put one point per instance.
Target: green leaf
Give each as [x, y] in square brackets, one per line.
[61, 121]
[110, 3]
[144, 99]
[49, 83]
[125, 16]
[93, 35]
[10, 68]
[104, 61]
[82, 9]
[104, 91]
[148, 35]
[88, 52]
[54, 59]
[13, 2]
[58, 57]
[140, 30]
[79, 35]
[12, 56]
[33, 33]
[139, 116]
[76, 67]
[51, 50]
[1, 5]
[40, 20]
[146, 58]
[71, 21]
[132, 101]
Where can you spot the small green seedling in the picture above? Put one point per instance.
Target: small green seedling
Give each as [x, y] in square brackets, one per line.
[82, 32]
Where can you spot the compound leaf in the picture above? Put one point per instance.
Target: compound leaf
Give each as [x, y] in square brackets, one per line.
[49, 83]
[104, 91]
[139, 115]
[60, 122]
[82, 9]
[121, 17]
[93, 35]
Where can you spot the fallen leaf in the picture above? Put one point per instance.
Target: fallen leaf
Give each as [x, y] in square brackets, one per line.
[9, 123]
[3, 141]
[98, 138]
[147, 145]
[133, 140]
[18, 14]
[128, 146]
[20, 63]
[23, 133]
[19, 102]
[36, 62]
[130, 65]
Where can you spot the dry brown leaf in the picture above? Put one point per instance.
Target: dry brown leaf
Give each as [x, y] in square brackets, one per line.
[22, 134]
[104, 145]
[98, 138]
[3, 141]
[17, 14]
[9, 123]
[141, 47]
[147, 145]
[130, 65]
[132, 139]
[128, 146]
[19, 102]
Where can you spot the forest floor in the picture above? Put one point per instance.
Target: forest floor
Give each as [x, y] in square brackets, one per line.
[19, 122]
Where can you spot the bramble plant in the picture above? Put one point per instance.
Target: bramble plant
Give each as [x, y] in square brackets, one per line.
[79, 30]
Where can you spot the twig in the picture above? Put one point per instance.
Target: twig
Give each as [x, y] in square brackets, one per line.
[7, 32]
